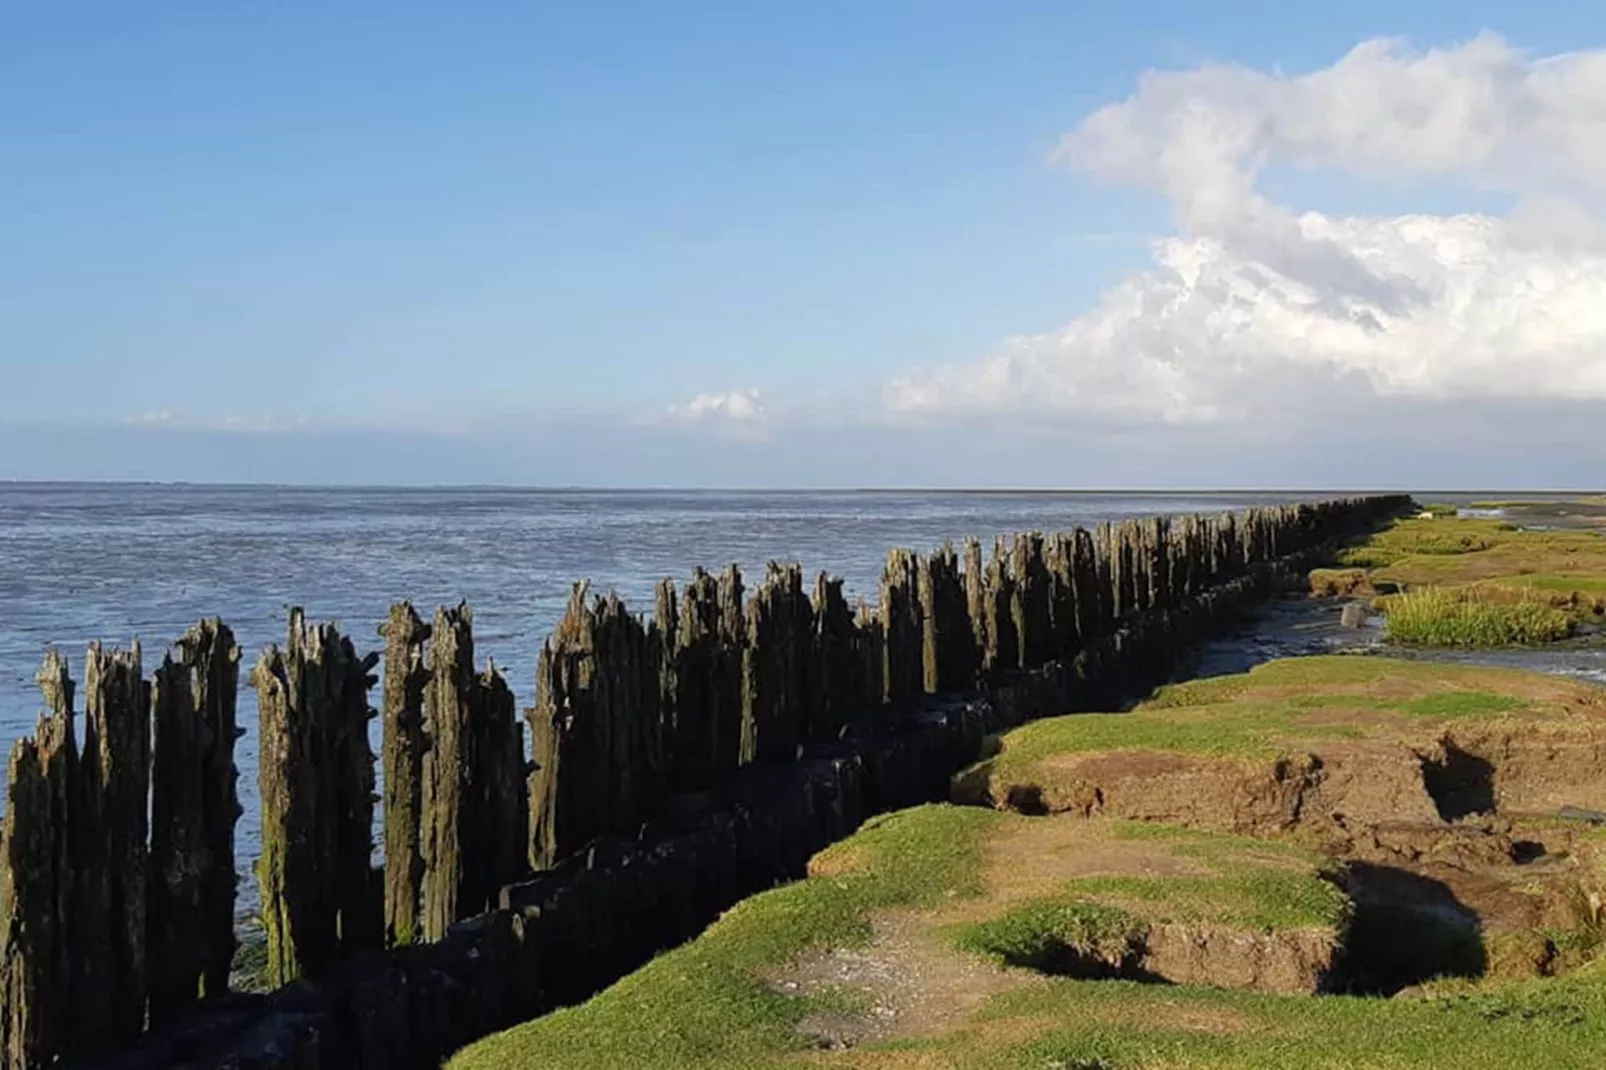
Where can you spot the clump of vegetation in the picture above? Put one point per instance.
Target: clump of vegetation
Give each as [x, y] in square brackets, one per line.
[1044, 933]
[1505, 578]
[1439, 616]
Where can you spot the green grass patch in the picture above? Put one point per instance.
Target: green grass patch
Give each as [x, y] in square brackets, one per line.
[1442, 617]
[1243, 883]
[705, 1004]
[1043, 933]
[1262, 713]
[1565, 570]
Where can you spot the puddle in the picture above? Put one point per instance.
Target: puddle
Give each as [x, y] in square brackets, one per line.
[1300, 626]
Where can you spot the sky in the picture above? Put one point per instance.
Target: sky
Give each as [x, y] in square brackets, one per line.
[876, 243]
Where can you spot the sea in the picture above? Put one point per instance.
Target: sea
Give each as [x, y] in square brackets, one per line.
[118, 562]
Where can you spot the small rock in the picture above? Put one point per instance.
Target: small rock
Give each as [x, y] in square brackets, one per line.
[1352, 616]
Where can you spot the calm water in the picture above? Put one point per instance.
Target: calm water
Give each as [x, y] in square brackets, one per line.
[83, 562]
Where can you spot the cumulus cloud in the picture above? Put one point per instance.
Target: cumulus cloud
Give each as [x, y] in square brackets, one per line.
[1253, 305]
[740, 412]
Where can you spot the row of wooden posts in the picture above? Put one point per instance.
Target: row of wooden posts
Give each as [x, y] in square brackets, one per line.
[117, 873]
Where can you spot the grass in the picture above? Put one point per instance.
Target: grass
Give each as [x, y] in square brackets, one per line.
[1442, 617]
[1034, 934]
[1483, 582]
[705, 1004]
[1259, 714]
[1242, 883]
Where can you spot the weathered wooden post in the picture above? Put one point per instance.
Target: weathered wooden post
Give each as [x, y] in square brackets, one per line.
[472, 834]
[1088, 591]
[780, 625]
[872, 647]
[998, 609]
[110, 859]
[37, 960]
[403, 746]
[976, 604]
[948, 651]
[566, 770]
[1029, 604]
[663, 642]
[194, 808]
[901, 626]
[318, 891]
[730, 657]
[836, 681]
[693, 713]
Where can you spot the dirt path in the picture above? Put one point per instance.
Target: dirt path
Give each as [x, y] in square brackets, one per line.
[914, 984]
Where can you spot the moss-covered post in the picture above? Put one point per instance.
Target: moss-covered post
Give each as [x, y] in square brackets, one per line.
[836, 682]
[360, 885]
[110, 857]
[1030, 601]
[872, 647]
[317, 887]
[37, 947]
[473, 834]
[502, 775]
[948, 656]
[730, 659]
[194, 807]
[446, 833]
[998, 610]
[566, 772]
[403, 746]
[693, 713]
[901, 626]
[780, 630]
[976, 604]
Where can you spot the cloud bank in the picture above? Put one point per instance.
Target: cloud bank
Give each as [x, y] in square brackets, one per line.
[1256, 311]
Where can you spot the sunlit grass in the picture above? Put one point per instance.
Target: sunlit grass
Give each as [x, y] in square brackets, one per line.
[1446, 617]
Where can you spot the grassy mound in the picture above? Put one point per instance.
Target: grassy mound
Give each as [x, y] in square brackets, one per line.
[1476, 582]
[974, 934]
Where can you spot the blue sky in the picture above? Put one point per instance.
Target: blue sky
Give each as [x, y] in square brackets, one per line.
[516, 223]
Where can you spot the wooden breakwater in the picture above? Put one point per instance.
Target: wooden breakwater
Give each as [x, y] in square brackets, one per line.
[677, 763]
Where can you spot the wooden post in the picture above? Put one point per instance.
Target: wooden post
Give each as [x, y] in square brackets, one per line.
[473, 835]
[901, 626]
[194, 807]
[110, 857]
[694, 712]
[1029, 602]
[837, 679]
[728, 669]
[36, 887]
[312, 695]
[403, 747]
[998, 609]
[780, 627]
[976, 605]
[872, 647]
[948, 652]
[567, 770]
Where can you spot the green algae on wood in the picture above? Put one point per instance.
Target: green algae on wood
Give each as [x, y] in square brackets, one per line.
[402, 748]
[194, 808]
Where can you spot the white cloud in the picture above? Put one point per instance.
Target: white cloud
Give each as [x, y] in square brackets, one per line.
[170, 418]
[735, 407]
[1254, 307]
